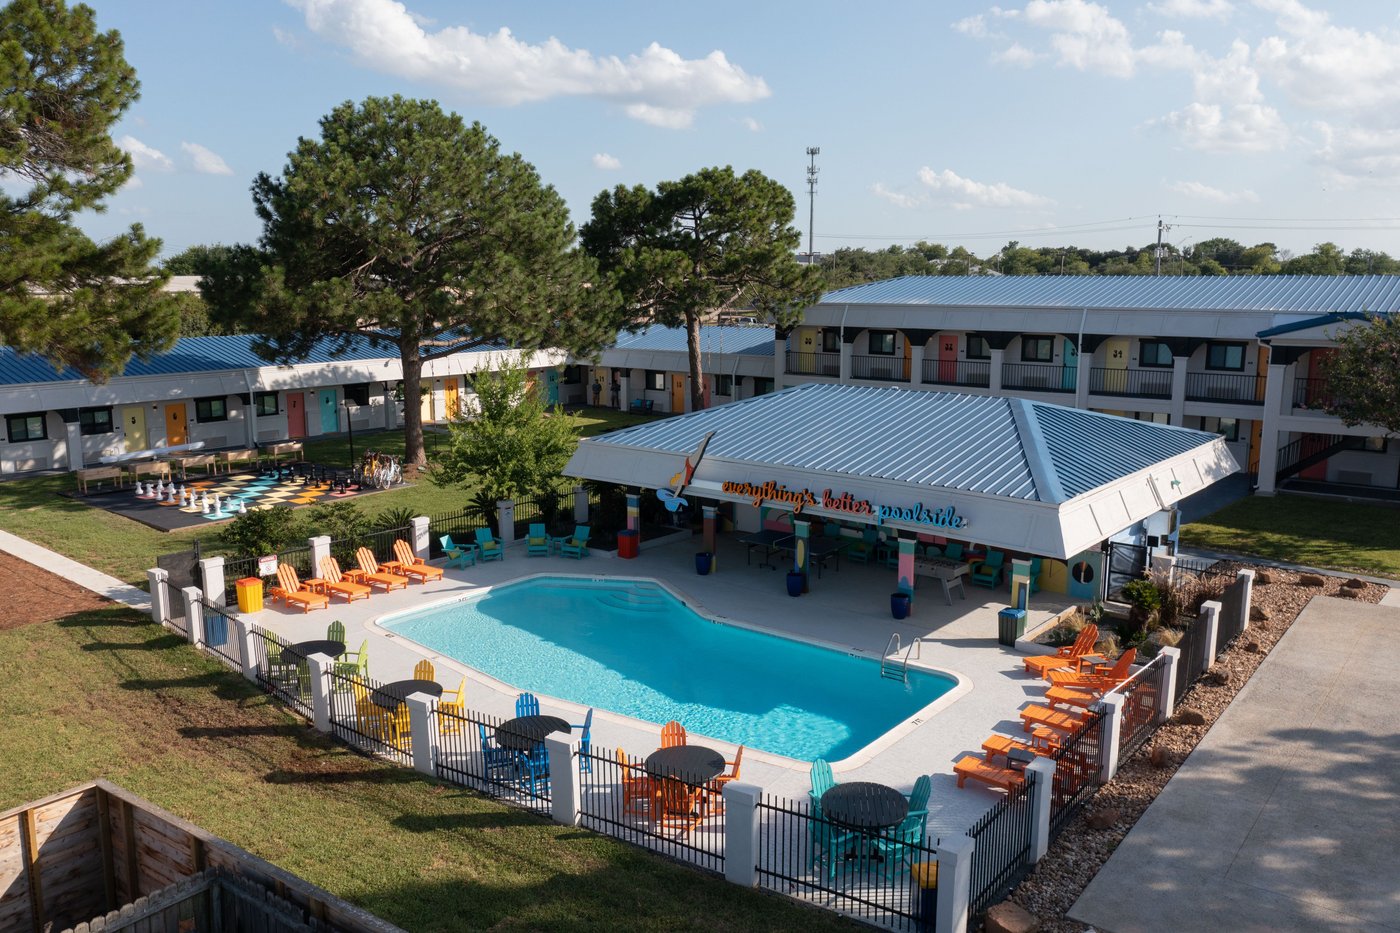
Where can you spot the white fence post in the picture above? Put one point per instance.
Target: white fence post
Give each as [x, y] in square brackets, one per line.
[505, 517]
[320, 667]
[565, 788]
[320, 550]
[420, 731]
[954, 883]
[1112, 734]
[420, 536]
[1248, 577]
[741, 832]
[212, 572]
[194, 614]
[580, 505]
[244, 636]
[160, 595]
[1173, 663]
[1044, 770]
[1210, 618]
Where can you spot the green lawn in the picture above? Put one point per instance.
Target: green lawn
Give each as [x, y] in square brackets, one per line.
[33, 508]
[104, 694]
[1326, 533]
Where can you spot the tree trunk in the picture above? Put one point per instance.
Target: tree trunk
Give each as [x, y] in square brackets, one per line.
[413, 454]
[692, 339]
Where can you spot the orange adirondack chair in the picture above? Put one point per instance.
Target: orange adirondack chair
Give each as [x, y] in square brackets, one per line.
[678, 805]
[673, 733]
[1087, 680]
[970, 766]
[1057, 719]
[294, 592]
[638, 789]
[371, 573]
[335, 582]
[414, 566]
[1067, 656]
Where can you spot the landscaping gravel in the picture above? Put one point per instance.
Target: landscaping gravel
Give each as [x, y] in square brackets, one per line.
[1076, 856]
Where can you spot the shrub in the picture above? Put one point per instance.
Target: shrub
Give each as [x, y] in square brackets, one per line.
[345, 524]
[261, 531]
[1108, 645]
[1144, 614]
[1181, 600]
[394, 518]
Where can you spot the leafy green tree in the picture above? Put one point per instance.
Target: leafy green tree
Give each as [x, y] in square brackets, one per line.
[79, 303]
[261, 531]
[711, 241]
[404, 226]
[1325, 259]
[512, 444]
[1363, 375]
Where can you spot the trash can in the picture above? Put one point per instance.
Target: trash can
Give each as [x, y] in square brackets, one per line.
[703, 562]
[250, 594]
[925, 875]
[627, 543]
[796, 582]
[900, 603]
[1011, 625]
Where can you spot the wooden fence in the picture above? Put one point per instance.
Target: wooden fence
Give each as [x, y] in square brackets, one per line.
[85, 852]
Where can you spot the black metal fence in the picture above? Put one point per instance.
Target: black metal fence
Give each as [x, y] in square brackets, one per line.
[958, 372]
[1144, 700]
[1193, 661]
[1138, 383]
[461, 525]
[175, 600]
[884, 368]
[1234, 615]
[813, 364]
[238, 568]
[1244, 388]
[1202, 568]
[1078, 767]
[1002, 854]
[282, 672]
[473, 752]
[368, 720]
[667, 815]
[1042, 376]
[220, 635]
[876, 877]
[1126, 563]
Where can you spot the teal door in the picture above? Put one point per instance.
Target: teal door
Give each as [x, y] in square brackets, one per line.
[330, 417]
[552, 387]
[1070, 374]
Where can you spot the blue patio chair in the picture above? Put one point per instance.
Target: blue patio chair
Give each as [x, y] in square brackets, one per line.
[458, 555]
[527, 704]
[988, 572]
[496, 759]
[577, 545]
[490, 548]
[534, 769]
[895, 845]
[865, 550]
[953, 550]
[537, 541]
[585, 763]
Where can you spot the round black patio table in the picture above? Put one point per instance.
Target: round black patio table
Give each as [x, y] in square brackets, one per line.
[324, 646]
[864, 805]
[694, 764]
[523, 733]
[391, 695]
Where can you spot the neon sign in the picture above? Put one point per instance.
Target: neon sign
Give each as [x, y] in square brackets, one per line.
[799, 499]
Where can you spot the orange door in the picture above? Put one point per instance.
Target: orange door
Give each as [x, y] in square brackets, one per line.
[677, 392]
[296, 414]
[948, 358]
[175, 428]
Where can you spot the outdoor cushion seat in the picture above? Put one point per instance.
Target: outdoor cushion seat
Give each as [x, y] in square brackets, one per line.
[988, 572]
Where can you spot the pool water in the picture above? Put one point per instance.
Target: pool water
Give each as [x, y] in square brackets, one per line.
[631, 647]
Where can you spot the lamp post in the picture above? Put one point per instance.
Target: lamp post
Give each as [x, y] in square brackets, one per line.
[350, 430]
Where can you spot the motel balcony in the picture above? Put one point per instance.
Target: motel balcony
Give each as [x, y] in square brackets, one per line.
[1310, 396]
[802, 363]
[1131, 383]
[958, 373]
[1235, 388]
[1038, 377]
[880, 368]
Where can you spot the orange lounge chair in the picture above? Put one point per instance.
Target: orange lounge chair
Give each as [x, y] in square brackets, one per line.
[998, 744]
[372, 574]
[970, 766]
[294, 592]
[1101, 681]
[336, 584]
[1068, 656]
[1057, 719]
[413, 565]
[1072, 696]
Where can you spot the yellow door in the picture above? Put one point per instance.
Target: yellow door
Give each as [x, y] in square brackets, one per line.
[134, 424]
[175, 424]
[1115, 353]
[677, 392]
[425, 408]
[451, 402]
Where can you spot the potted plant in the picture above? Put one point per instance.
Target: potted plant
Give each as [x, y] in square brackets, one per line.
[796, 582]
[900, 604]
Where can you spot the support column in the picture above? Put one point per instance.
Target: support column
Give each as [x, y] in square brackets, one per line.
[1020, 583]
[801, 555]
[916, 365]
[994, 369]
[420, 731]
[565, 788]
[580, 505]
[212, 573]
[1210, 618]
[505, 517]
[1082, 373]
[1269, 431]
[844, 370]
[1164, 566]
[1044, 771]
[741, 833]
[624, 383]
[160, 595]
[194, 613]
[1248, 577]
[320, 667]
[420, 536]
[320, 550]
[634, 512]
[1112, 704]
[1168, 702]
[711, 514]
[954, 883]
[779, 361]
[907, 543]
[1178, 410]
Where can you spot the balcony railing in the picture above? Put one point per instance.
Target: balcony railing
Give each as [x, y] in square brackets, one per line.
[1238, 388]
[803, 363]
[884, 368]
[1311, 394]
[1138, 383]
[1040, 377]
[957, 372]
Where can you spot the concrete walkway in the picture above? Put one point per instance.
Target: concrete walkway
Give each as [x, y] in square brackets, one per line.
[81, 574]
[1287, 816]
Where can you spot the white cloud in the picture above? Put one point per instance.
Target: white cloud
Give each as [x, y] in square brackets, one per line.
[1084, 35]
[1203, 192]
[289, 39]
[974, 26]
[606, 162]
[898, 199]
[1016, 54]
[752, 125]
[206, 161]
[144, 156]
[133, 183]
[965, 193]
[656, 86]
[1193, 9]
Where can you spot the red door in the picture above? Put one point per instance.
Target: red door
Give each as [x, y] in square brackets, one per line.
[1317, 371]
[948, 359]
[296, 414]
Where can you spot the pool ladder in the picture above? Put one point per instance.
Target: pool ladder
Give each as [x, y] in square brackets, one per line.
[894, 667]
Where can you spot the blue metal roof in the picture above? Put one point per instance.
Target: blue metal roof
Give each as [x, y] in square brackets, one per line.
[1312, 322]
[749, 341]
[1005, 447]
[1264, 293]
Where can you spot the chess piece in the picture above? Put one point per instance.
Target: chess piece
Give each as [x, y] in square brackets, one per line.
[160, 488]
[242, 505]
[218, 504]
[140, 494]
[204, 505]
[170, 493]
[184, 498]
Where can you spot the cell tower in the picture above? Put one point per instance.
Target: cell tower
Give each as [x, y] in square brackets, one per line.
[812, 170]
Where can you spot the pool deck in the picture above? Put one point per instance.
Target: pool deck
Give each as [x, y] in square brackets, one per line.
[846, 609]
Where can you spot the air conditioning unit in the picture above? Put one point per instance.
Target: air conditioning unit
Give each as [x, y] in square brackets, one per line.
[1354, 477]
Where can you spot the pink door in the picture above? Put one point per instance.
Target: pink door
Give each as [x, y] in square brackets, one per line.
[948, 358]
[296, 414]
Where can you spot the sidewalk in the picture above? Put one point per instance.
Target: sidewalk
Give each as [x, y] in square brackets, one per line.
[81, 574]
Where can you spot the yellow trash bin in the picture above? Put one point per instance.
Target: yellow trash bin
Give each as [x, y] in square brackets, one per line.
[250, 594]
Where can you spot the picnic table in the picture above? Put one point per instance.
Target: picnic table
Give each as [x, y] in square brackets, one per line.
[98, 474]
[210, 462]
[246, 455]
[137, 468]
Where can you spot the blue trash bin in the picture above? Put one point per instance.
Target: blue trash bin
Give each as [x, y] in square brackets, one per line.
[215, 629]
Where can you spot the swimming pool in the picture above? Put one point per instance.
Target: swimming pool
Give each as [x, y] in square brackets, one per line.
[631, 647]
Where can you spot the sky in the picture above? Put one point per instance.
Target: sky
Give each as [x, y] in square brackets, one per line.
[1048, 122]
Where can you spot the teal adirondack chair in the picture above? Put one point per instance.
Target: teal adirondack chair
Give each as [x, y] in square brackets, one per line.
[896, 844]
[490, 548]
[953, 550]
[864, 550]
[458, 555]
[577, 544]
[537, 542]
[988, 572]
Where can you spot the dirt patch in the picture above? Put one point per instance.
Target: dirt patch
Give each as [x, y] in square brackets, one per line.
[36, 595]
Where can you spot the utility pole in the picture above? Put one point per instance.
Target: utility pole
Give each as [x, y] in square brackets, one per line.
[812, 153]
[1161, 228]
